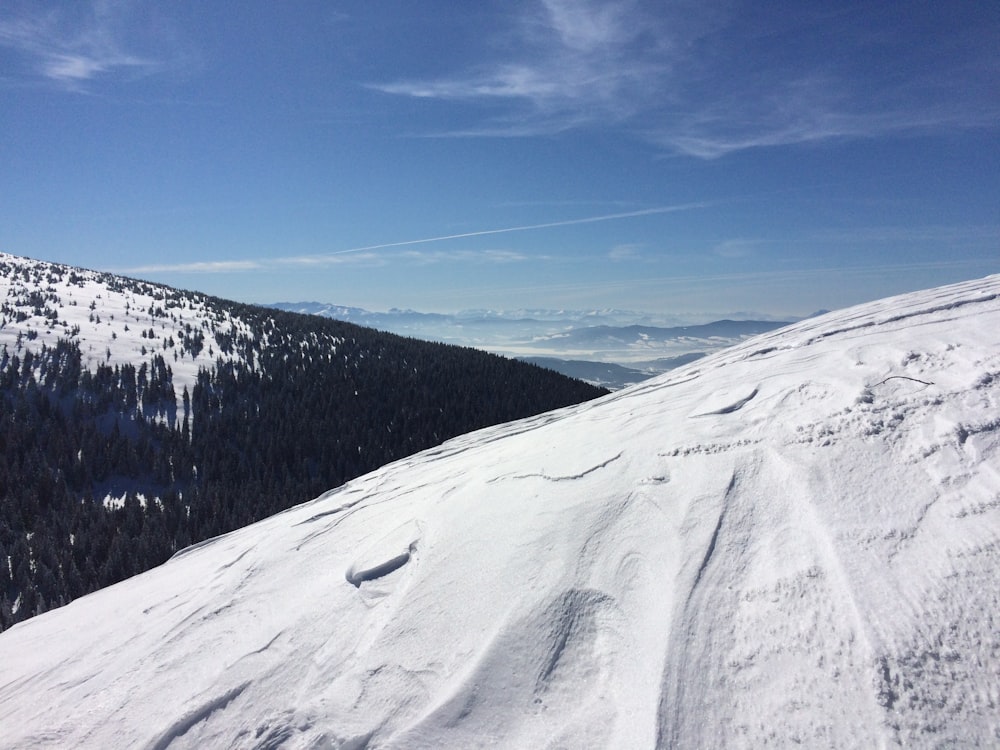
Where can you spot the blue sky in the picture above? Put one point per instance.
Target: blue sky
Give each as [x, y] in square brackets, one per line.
[663, 156]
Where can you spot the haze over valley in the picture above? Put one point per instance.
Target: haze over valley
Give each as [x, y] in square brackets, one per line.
[609, 348]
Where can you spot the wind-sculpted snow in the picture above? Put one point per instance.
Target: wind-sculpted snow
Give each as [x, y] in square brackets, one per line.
[793, 542]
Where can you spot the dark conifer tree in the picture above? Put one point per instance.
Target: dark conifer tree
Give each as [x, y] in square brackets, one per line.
[322, 403]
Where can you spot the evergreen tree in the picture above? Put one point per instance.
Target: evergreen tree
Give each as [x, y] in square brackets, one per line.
[322, 403]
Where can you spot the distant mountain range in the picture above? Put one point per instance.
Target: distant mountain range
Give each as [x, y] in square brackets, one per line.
[612, 348]
[544, 317]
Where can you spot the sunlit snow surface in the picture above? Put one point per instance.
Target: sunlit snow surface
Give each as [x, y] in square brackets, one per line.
[794, 541]
[108, 318]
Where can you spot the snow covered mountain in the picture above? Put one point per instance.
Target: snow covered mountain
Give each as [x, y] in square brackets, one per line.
[795, 541]
[115, 321]
[137, 419]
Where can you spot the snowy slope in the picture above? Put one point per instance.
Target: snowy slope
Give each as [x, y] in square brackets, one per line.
[114, 320]
[794, 541]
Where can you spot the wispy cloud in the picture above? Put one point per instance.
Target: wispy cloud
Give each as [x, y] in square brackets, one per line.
[709, 79]
[210, 266]
[371, 257]
[624, 253]
[319, 262]
[769, 279]
[76, 43]
[579, 63]
[936, 234]
[425, 257]
[736, 248]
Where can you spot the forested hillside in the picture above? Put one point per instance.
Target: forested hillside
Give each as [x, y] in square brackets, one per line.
[137, 419]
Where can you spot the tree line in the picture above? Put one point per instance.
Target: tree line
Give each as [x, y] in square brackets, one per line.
[109, 471]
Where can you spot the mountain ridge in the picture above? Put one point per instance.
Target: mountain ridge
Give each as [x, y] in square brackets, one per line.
[794, 541]
[136, 419]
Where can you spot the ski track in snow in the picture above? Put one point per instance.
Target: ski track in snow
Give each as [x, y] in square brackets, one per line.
[795, 541]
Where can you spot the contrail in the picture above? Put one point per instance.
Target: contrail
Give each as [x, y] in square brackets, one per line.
[527, 227]
[264, 263]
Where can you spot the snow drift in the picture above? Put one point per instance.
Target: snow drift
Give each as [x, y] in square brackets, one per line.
[794, 541]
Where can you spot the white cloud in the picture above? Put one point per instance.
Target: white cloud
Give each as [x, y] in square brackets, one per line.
[72, 44]
[708, 79]
[585, 27]
[217, 266]
[736, 248]
[579, 63]
[427, 257]
[624, 253]
[364, 258]
[368, 257]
